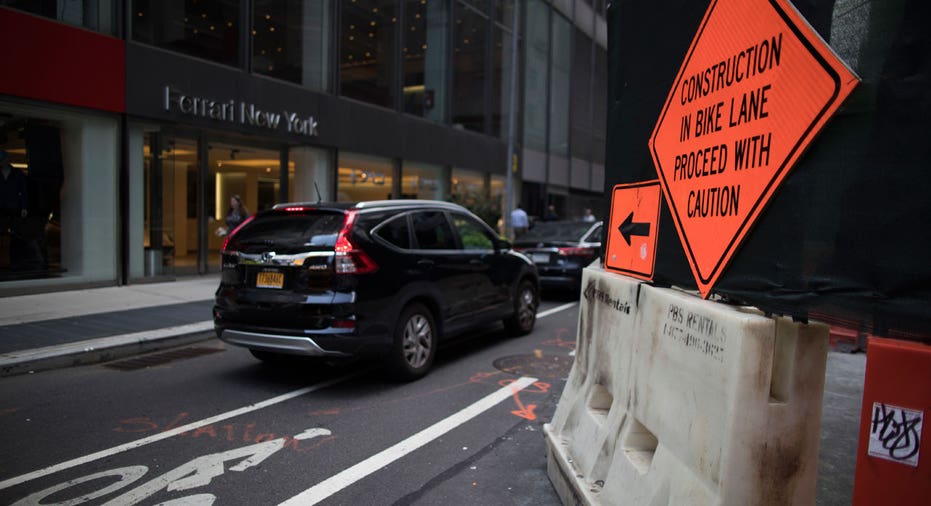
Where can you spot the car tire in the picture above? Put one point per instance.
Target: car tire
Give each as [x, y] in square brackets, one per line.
[414, 346]
[526, 301]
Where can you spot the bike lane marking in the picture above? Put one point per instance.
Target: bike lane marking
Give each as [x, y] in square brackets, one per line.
[343, 479]
[556, 309]
[174, 432]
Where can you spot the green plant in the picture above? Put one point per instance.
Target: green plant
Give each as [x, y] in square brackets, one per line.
[481, 204]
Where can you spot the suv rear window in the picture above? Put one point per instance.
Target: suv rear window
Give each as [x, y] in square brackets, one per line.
[289, 231]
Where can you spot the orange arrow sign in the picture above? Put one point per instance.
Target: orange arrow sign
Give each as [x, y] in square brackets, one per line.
[756, 86]
[630, 237]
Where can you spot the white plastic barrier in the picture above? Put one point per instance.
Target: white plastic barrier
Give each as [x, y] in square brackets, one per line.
[676, 400]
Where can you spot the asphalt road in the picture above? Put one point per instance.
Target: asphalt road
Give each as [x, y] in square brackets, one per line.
[210, 423]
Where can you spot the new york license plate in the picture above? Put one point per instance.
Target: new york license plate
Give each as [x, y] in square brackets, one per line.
[540, 258]
[269, 279]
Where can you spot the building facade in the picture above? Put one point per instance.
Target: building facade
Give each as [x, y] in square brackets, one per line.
[136, 122]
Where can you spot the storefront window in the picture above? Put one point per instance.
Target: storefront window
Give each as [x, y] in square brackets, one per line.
[422, 181]
[290, 41]
[468, 182]
[469, 190]
[367, 50]
[170, 175]
[58, 206]
[31, 177]
[469, 37]
[424, 55]
[206, 29]
[363, 177]
[97, 15]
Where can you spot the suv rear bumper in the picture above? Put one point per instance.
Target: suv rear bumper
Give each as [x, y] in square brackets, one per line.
[291, 345]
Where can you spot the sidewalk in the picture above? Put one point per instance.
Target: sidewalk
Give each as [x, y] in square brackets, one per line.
[61, 329]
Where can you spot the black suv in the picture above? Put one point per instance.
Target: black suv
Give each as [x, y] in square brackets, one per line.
[394, 278]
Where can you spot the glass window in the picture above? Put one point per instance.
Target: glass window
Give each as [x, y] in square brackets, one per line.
[290, 41]
[467, 182]
[97, 15]
[504, 12]
[559, 83]
[422, 181]
[363, 177]
[396, 232]
[289, 231]
[310, 174]
[581, 99]
[472, 235]
[206, 29]
[469, 34]
[432, 231]
[367, 50]
[426, 27]
[600, 108]
[500, 82]
[31, 178]
[169, 159]
[536, 70]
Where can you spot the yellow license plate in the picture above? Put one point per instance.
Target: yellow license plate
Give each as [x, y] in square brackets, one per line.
[269, 280]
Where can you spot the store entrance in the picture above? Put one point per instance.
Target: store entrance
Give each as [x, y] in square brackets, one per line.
[197, 191]
[241, 181]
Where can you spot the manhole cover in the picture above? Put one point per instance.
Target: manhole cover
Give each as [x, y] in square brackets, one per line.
[542, 366]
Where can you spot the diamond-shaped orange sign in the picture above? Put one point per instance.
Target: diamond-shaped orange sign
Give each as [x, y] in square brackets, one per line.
[756, 87]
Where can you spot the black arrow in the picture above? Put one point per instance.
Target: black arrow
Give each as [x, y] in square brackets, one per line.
[629, 228]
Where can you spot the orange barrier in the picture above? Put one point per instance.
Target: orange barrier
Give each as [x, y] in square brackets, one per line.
[893, 430]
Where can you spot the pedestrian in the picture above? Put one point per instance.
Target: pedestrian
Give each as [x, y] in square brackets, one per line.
[550, 214]
[236, 214]
[519, 222]
[588, 217]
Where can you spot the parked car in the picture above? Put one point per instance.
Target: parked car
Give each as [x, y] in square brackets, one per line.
[388, 278]
[560, 250]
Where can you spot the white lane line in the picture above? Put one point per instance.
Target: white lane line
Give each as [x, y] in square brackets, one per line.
[556, 309]
[174, 432]
[339, 481]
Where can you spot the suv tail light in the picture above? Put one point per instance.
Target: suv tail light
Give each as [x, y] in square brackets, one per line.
[348, 258]
[229, 236]
[578, 252]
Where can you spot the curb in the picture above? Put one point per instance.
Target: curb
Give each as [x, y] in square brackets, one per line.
[95, 351]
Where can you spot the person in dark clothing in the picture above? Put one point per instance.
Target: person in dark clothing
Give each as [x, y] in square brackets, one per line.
[14, 202]
[550, 214]
[14, 198]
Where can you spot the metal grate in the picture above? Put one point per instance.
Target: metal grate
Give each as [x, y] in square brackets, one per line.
[157, 359]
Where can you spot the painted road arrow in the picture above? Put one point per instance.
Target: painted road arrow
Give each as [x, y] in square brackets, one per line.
[630, 227]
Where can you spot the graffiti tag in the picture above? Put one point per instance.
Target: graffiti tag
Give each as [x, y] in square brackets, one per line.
[895, 433]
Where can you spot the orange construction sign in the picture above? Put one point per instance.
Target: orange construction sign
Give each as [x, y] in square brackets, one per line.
[632, 229]
[756, 86]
